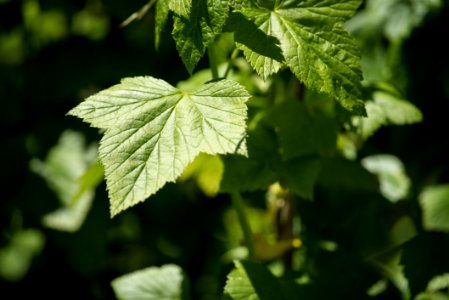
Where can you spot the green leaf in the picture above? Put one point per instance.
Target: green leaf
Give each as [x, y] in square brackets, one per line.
[316, 47]
[259, 169]
[253, 281]
[261, 50]
[179, 7]
[207, 170]
[301, 132]
[393, 180]
[432, 296]
[386, 109]
[71, 171]
[155, 130]
[193, 35]
[16, 257]
[394, 18]
[342, 174]
[300, 175]
[434, 202]
[161, 15]
[153, 283]
[71, 217]
[388, 264]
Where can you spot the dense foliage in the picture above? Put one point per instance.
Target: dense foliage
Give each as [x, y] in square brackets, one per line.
[283, 149]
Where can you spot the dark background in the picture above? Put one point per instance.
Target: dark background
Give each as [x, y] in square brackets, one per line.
[46, 76]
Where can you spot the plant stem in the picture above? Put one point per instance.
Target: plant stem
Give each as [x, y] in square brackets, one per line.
[231, 60]
[239, 206]
[211, 52]
[138, 14]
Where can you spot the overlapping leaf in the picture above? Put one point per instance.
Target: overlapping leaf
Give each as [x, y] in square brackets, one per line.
[180, 7]
[152, 283]
[154, 130]
[253, 37]
[250, 280]
[161, 15]
[192, 35]
[315, 46]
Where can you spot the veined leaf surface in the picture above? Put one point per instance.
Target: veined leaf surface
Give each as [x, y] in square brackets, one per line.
[316, 47]
[153, 130]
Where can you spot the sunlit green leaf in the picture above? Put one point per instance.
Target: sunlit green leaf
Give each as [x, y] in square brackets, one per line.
[179, 7]
[193, 35]
[152, 283]
[434, 202]
[315, 46]
[155, 130]
[260, 48]
[393, 180]
[253, 281]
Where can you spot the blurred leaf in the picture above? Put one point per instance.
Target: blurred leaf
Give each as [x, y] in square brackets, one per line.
[402, 231]
[12, 47]
[90, 25]
[253, 281]
[207, 170]
[394, 182]
[394, 18]
[389, 266]
[438, 283]
[268, 250]
[16, 257]
[386, 109]
[342, 174]
[432, 296]
[259, 169]
[378, 288]
[257, 219]
[45, 26]
[155, 130]
[153, 283]
[434, 202]
[300, 175]
[436, 289]
[71, 171]
[71, 217]
[301, 132]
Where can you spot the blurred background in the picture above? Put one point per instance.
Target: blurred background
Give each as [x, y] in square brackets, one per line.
[55, 53]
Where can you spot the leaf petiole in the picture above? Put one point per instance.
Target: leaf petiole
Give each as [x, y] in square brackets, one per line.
[239, 206]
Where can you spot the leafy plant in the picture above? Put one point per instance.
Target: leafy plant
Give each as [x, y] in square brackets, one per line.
[280, 114]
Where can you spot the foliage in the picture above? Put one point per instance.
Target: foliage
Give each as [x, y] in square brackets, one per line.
[272, 142]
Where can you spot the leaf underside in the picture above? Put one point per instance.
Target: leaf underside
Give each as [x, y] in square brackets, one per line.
[153, 131]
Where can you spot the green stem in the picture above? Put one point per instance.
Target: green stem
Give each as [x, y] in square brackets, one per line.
[211, 52]
[138, 14]
[239, 206]
[231, 61]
